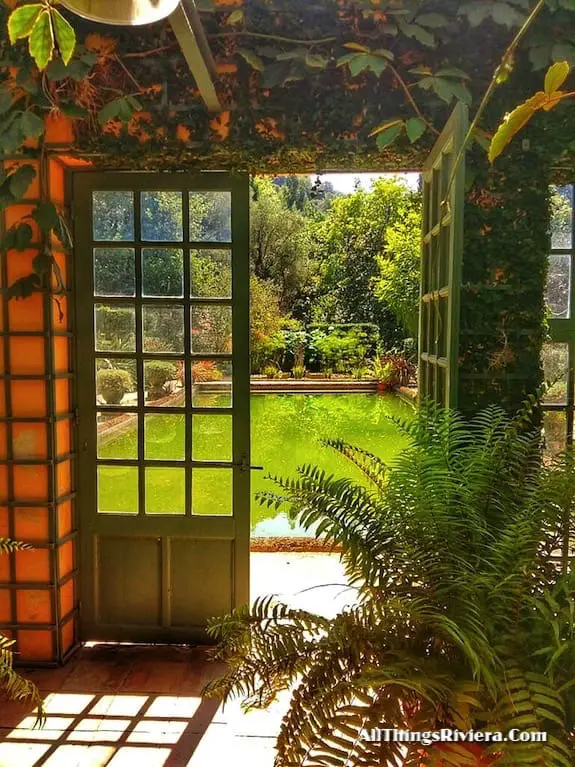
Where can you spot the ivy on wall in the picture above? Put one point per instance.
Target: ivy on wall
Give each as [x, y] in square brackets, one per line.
[303, 86]
[339, 84]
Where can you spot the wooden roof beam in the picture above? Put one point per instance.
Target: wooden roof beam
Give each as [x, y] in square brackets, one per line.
[189, 32]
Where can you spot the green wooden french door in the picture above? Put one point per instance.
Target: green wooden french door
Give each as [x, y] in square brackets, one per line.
[442, 248]
[162, 288]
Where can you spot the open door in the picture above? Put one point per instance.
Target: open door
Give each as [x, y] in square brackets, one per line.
[162, 280]
[442, 249]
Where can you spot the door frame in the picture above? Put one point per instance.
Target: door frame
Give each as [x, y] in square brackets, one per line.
[236, 527]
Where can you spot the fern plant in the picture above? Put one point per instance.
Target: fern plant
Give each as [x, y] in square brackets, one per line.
[16, 686]
[465, 605]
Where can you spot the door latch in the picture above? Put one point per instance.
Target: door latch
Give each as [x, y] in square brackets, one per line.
[244, 465]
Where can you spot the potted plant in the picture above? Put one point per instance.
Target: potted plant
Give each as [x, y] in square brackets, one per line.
[383, 374]
[298, 372]
[112, 384]
[463, 616]
[270, 371]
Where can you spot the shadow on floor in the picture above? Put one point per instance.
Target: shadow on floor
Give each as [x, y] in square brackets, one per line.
[123, 706]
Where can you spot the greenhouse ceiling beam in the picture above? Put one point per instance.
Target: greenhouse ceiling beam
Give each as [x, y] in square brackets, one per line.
[191, 37]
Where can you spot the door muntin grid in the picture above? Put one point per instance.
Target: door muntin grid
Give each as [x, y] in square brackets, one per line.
[440, 267]
[558, 353]
[166, 445]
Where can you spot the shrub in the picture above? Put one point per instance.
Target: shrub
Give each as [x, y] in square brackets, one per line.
[112, 384]
[157, 373]
[205, 371]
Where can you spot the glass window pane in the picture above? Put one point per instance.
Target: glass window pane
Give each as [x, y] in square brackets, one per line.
[210, 216]
[212, 491]
[557, 295]
[114, 272]
[212, 329]
[212, 437]
[211, 272]
[165, 490]
[562, 216]
[555, 431]
[118, 489]
[212, 383]
[164, 383]
[117, 435]
[163, 272]
[116, 382]
[113, 215]
[555, 361]
[115, 328]
[162, 216]
[163, 328]
[164, 437]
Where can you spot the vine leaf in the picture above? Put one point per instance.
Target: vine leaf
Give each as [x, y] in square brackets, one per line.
[18, 237]
[252, 59]
[235, 17]
[520, 116]
[65, 36]
[388, 134]
[415, 128]
[46, 216]
[19, 181]
[41, 40]
[32, 124]
[22, 20]
[556, 76]
[24, 287]
[316, 61]
[384, 126]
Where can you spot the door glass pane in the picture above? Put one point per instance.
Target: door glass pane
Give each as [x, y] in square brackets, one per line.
[163, 328]
[211, 273]
[212, 492]
[212, 329]
[211, 437]
[562, 217]
[118, 435]
[557, 295]
[210, 217]
[115, 328]
[164, 383]
[116, 382]
[164, 436]
[165, 490]
[555, 431]
[162, 219]
[118, 489]
[113, 216]
[555, 361]
[162, 272]
[212, 383]
[114, 272]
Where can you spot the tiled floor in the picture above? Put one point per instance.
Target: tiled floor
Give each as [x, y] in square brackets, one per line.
[129, 706]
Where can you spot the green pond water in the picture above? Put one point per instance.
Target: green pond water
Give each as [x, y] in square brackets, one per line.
[286, 433]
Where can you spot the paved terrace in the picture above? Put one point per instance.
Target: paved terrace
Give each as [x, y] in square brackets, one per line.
[133, 706]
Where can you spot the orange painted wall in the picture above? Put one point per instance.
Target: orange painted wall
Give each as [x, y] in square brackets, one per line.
[38, 603]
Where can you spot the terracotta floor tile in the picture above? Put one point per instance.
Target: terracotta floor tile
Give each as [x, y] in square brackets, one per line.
[80, 756]
[151, 676]
[21, 754]
[88, 676]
